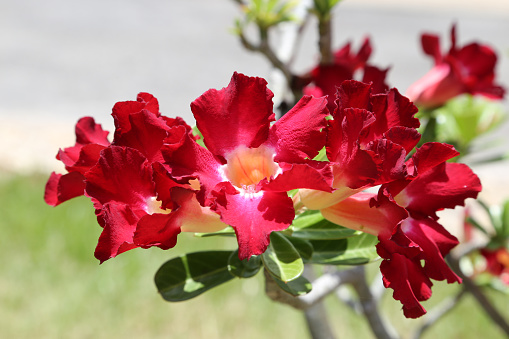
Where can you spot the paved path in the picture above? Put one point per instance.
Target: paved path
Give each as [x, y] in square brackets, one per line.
[63, 59]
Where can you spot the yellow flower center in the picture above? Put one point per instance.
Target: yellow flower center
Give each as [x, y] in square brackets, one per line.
[246, 167]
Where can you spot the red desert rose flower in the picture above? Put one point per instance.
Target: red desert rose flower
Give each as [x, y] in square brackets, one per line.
[403, 216]
[367, 141]
[469, 69]
[249, 165]
[91, 139]
[137, 202]
[323, 79]
[497, 262]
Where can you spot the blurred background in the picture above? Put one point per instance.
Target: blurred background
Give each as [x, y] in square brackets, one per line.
[64, 59]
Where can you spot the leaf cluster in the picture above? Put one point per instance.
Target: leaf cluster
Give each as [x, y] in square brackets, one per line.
[311, 239]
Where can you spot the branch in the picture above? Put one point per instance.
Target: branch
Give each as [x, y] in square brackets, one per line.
[438, 312]
[381, 329]
[322, 286]
[264, 48]
[471, 287]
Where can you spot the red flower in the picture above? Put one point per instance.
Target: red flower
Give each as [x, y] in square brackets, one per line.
[137, 202]
[469, 69]
[403, 216]
[325, 78]
[497, 262]
[249, 165]
[90, 140]
[367, 141]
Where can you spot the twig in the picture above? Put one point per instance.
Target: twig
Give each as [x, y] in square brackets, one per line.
[472, 288]
[316, 315]
[438, 312]
[264, 48]
[322, 286]
[380, 328]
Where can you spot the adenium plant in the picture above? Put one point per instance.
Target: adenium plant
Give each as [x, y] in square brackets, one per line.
[267, 182]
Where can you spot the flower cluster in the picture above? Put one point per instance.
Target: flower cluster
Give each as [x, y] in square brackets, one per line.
[323, 79]
[154, 180]
[469, 69]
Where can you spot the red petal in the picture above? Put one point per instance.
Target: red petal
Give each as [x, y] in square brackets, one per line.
[353, 94]
[431, 46]
[300, 133]
[239, 114]
[436, 243]
[255, 217]
[390, 110]
[188, 160]
[313, 175]
[445, 186]
[408, 138]
[60, 188]
[117, 236]
[122, 175]
[146, 134]
[88, 132]
[410, 284]
[158, 229]
[376, 77]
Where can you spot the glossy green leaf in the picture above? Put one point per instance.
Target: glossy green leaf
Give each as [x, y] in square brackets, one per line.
[281, 258]
[299, 286]
[190, 275]
[316, 227]
[228, 232]
[350, 251]
[244, 268]
[302, 246]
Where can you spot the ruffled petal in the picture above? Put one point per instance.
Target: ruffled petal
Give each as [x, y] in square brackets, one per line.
[123, 175]
[300, 133]
[239, 114]
[445, 186]
[146, 134]
[410, 284]
[436, 243]
[254, 217]
[312, 175]
[61, 188]
[119, 222]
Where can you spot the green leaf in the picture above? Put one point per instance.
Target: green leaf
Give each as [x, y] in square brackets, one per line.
[505, 220]
[350, 251]
[281, 258]
[302, 246]
[243, 268]
[299, 286]
[190, 275]
[197, 132]
[316, 227]
[226, 232]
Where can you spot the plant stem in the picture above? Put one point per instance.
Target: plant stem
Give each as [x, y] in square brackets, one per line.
[325, 41]
[476, 292]
[369, 306]
[438, 312]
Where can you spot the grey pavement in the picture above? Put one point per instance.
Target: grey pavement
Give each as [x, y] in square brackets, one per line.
[63, 59]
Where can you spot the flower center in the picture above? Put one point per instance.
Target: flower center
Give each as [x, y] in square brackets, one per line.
[246, 167]
[154, 206]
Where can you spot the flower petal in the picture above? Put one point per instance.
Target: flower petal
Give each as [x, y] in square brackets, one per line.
[61, 188]
[300, 133]
[239, 114]
[254, 217]
[119, 222]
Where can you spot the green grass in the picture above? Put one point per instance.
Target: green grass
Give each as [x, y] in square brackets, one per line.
[51, 286]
